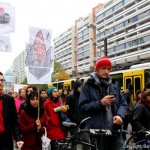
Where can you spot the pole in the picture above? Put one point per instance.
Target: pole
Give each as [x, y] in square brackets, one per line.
[38, 103]
[105, 46]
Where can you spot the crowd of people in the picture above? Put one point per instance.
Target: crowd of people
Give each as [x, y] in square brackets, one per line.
[24, 115]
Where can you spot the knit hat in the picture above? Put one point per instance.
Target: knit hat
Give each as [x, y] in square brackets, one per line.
[103, 62]
[50, 90]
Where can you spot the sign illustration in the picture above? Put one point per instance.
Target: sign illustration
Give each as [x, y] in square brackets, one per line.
[39, 58]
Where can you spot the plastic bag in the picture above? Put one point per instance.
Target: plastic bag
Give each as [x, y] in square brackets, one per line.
[45, 141]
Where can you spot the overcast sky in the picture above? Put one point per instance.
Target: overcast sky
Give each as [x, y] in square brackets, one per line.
[55, 15]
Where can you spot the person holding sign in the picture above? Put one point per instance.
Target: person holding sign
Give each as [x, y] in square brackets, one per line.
[31, 126]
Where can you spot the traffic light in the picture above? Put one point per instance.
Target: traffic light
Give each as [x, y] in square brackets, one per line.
[105, 46]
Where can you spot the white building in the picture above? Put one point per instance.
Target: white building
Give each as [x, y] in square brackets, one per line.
[124, 23]
[19, 68]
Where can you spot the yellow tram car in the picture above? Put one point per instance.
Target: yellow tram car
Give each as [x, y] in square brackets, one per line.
[138, 75]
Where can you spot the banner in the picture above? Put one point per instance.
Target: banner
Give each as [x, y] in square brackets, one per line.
[7, 18]
[18, 86]
[39, 58]
[5, 45]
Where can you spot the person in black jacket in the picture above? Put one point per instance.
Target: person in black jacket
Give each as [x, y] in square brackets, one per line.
[9, 127]
[141, 113]
[128, 117]
[74, 113]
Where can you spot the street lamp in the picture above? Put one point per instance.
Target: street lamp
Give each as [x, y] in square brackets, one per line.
[97, 45]
[105, 40]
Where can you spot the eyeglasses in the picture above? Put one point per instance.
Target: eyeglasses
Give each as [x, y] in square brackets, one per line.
[2, 80]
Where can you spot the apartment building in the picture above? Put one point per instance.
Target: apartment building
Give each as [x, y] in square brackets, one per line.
[19, 68]
[124, 24]
[64, 50]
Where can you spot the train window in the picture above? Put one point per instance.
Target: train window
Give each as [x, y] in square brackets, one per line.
[147, 76]
[67, 87]
[55, 84]
[137, 83]
[72, 84]
[118, 78]
[128, 81]
[60, 85]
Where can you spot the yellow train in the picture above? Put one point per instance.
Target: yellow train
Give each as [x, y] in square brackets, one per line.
[138, 75]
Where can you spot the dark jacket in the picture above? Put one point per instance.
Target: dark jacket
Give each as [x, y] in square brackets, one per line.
[141, 115]
[10, 121]
[89, 103]
[74, 113]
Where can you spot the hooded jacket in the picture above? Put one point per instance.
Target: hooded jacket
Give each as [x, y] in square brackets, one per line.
[74, 113]
[89, 102]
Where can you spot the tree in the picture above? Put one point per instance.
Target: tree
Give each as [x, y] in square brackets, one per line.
[59, 73]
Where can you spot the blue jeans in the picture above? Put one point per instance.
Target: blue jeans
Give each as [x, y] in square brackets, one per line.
[114, 142]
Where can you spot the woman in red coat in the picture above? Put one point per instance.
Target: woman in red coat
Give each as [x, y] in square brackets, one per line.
[55, 132]
[31, 127]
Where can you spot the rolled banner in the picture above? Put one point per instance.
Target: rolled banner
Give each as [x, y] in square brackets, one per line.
[63, 108]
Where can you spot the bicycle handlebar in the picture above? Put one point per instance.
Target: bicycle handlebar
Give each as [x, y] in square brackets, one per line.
[83, 123]
[100, 131]
[146, 133]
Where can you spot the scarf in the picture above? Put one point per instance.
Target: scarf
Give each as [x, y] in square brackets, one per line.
[147, 103]
[33, 111]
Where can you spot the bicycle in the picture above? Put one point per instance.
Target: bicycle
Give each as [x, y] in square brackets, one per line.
[90, 140]
[70, 140]
[136, 143]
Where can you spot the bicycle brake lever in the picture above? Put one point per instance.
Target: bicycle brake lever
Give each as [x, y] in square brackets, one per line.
[147, 133]
[108, 132]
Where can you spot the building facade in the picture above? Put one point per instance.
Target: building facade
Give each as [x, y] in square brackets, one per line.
[124, 24]
[19, 68]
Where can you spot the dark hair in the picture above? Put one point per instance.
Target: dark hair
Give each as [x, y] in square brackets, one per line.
[63, 92]
[31, 96]
[145, 94]
[148, 85]
[42, 91]
[137, 93]
[29, 109]
[33, 87]
[1, 73]
[131, 87]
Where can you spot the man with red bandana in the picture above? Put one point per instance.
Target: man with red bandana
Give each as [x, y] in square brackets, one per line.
[8, 120]
[104, 103]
